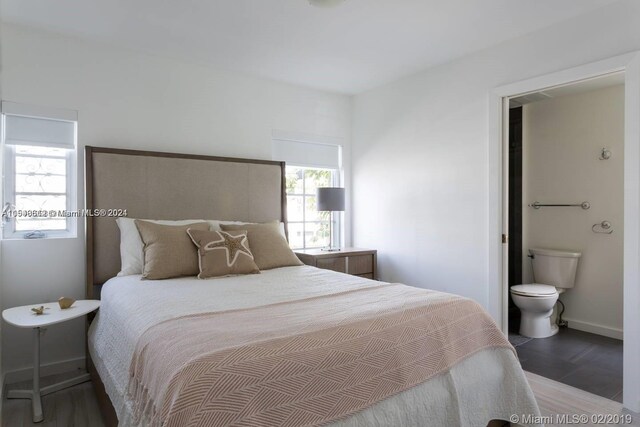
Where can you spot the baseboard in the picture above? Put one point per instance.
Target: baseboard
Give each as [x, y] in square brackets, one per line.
[24, 374]
[594, 328]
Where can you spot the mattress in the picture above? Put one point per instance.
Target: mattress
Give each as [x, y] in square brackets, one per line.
[487, 385]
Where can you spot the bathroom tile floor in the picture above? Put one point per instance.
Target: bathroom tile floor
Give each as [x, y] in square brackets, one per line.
[586, 361]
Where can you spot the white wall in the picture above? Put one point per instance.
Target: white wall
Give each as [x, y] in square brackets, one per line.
[420, 150]
[131, 100]
[1, 198]
[562, 139]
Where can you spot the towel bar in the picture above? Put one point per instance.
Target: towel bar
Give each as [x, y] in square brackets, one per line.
[538, 205]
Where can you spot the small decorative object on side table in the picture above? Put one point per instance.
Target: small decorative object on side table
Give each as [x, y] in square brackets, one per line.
[356, 261]
[24, 317]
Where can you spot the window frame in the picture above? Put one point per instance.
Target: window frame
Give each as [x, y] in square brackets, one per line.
[335, 219]
[9, 231]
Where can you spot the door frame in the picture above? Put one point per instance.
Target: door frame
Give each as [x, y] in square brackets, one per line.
[498, 293]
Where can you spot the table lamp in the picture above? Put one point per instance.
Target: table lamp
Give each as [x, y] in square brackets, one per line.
[330, 199]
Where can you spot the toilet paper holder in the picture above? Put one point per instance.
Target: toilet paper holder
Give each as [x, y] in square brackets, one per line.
[603, 227]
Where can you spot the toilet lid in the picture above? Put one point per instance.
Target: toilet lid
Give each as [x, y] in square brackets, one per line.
[534, 289]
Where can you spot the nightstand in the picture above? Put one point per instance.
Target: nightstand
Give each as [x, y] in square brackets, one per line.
[23, 317]
[356, 261]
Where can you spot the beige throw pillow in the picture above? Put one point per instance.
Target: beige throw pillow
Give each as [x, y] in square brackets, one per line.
[168, 250]
[270, 249]
[223, 253]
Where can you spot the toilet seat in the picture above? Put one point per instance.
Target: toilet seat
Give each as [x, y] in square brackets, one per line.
[534, 290]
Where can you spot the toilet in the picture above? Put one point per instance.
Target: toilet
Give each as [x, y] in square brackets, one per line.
[554, 271]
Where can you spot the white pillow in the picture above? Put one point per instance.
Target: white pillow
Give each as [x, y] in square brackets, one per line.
[132, 248]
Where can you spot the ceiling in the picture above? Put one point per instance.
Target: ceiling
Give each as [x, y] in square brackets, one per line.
[353, 47]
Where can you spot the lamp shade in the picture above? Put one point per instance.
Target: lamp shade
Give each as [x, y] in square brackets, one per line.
[330, 199]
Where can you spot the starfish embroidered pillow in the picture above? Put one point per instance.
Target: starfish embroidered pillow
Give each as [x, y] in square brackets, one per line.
[223, 253]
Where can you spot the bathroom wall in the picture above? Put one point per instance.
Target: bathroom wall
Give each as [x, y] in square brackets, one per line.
[562, 140]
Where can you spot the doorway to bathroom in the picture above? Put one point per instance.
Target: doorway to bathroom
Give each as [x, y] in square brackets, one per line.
[565, 221]
[498, 240]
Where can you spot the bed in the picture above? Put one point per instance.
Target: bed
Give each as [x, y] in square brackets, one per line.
[485, 383]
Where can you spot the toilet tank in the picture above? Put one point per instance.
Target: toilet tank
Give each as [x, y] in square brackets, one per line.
[554, 267]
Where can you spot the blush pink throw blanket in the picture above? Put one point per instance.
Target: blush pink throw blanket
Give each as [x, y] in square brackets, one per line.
[305, 362]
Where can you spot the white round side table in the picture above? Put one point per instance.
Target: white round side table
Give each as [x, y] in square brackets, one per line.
[23, 317]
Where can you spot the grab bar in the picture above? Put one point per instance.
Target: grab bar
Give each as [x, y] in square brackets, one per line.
[538, 205]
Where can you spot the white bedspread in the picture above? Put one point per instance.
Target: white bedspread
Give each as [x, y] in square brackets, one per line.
[488, 385]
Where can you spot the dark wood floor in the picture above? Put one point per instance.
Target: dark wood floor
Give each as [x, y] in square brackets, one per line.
[72, 407]
[586, 361]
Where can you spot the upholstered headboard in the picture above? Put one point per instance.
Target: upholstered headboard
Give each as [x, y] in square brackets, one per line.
[156, 185]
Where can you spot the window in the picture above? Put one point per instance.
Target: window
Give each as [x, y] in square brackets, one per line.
[309, 228]
[312, 162]
[39, 161]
